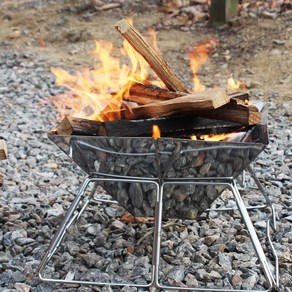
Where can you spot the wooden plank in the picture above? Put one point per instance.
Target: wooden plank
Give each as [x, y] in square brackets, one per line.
[152, 57]
[3, 150]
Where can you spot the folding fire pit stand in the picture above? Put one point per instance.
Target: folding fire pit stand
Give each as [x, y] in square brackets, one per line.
[100, 156]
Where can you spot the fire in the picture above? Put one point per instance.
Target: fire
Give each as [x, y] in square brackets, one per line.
[156, 132]
[220, 137]
[98, 94]
[198, 55]
[103, 88]
[217, 137]
[235, 85]
[213, 137]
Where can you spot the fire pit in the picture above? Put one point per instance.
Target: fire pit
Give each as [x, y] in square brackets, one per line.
[160, 160]
[176, 175]
[163, 178]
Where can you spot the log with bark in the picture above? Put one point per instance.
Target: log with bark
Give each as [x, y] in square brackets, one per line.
[3, 150]
[175, 126]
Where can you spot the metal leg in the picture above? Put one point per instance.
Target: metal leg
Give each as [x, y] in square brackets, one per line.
[67, 221]
[262, 190]
[253, 236]
[157, 234]
[70, 217]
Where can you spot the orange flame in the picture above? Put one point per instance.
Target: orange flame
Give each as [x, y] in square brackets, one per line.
[98, 93]
[156, 132]
[221, 137]
[198, 55]
[103, 88]
[235, 85]
[216, 137]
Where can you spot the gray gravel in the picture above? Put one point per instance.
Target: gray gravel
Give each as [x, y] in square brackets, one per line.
[40, 181]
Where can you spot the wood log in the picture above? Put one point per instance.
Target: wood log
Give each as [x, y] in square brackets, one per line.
[76, 126]
[146, 93]
[239, 113]
[175, 126]
[209, 99]
[153, 58]
[1, 180]
[3, 150]
[149, 93]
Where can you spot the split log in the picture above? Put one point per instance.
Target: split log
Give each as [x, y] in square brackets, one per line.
[146, 93]
[209, 99]
[239, 113]
[3, 150]
[159, 66]
[243, 96]
[175, 126]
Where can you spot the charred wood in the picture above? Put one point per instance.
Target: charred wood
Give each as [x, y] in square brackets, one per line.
[175, 126]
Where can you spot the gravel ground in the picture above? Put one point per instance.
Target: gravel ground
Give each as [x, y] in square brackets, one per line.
[40, 181]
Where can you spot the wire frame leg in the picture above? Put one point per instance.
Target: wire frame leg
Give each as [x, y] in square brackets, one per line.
[71, 217]
[254, 238]
[67, 221]
[273, 284]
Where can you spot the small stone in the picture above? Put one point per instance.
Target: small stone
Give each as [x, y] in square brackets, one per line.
[210, 239]
[249, 283]
[214, 275]
[205, 168]
[5, 257]
[22, 287]
[236, 281]
[191, 281]
[91, 260]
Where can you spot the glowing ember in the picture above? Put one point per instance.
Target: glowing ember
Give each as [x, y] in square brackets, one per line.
[217, 137]
[156, 132]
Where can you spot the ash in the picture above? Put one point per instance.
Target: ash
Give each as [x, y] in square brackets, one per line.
[40, 182]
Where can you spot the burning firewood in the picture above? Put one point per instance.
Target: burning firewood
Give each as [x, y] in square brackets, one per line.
[146, 93]
[159, 66]
[175, 126]
[209, 99]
